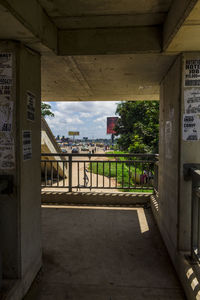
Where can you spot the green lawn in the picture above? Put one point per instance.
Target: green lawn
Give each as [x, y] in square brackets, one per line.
[121, 172]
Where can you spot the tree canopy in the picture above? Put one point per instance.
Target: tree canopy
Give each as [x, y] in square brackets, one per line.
[138, 126]
[46, 110]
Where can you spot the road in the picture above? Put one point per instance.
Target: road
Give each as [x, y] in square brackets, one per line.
[79, 177]
[98, 149]
[92, 179]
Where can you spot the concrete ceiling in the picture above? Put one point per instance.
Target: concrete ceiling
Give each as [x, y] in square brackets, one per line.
[73, 14]
[103, 77]
[83, 7]
[103, 49]
[187, 33]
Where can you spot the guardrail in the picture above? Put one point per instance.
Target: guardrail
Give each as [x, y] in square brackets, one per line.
[98, 171]
[155, 181]
[192, 172]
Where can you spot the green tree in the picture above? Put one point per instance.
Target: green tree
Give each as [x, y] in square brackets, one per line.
[46, 110]
[138, 126]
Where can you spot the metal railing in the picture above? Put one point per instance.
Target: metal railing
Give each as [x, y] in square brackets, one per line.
[192, 172]
[98, 171]
[155, 181]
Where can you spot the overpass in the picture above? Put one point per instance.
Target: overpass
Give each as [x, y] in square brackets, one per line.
[49, 145]
[97, 50]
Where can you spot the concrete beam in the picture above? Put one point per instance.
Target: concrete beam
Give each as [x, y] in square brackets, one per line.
[30, 17]
[110, 20]
[175, 38]
[94, 198]
[110, 41]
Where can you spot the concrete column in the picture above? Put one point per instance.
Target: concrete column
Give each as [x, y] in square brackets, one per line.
[20, 220]
[177, 148]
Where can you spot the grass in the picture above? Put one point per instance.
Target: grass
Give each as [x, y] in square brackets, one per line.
[109, 170]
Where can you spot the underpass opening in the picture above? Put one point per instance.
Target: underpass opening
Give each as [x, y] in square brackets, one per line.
[92, 161]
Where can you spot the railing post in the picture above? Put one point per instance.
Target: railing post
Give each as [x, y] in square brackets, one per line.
[70, 173]
[155, 179]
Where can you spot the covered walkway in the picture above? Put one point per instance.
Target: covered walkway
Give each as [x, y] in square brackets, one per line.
[103, 253]
[101, 50]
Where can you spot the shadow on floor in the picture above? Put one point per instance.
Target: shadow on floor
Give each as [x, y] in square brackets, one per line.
[103, 254]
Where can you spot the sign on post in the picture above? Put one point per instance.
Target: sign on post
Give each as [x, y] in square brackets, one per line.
[73, 133]
[111, 122]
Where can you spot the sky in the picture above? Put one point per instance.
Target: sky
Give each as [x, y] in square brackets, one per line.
[89, 118]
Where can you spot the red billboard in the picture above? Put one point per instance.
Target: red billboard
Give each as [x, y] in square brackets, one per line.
[111, 122]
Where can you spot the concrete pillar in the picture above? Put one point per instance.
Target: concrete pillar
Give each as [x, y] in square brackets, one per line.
[178, 145]
[20, 220]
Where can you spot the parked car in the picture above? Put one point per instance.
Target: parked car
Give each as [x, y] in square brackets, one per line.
[64, 150]
[75, 150]
[84, 148]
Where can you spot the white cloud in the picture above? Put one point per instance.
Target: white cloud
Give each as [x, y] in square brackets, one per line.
[87, 117]
[100, 119]
[96, 107]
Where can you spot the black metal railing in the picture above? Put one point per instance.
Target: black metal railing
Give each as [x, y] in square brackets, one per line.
[155, 181]
[98, 171]
[192, 172]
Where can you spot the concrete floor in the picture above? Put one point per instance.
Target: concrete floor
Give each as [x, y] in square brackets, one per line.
[103, 254]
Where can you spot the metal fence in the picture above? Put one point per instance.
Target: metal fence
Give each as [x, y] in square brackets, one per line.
[98, 171]
[192, 172]
[155, 181]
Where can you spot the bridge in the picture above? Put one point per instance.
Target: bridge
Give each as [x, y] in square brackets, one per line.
[98, 51]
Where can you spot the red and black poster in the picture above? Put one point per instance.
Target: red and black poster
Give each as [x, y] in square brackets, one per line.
[111, 122]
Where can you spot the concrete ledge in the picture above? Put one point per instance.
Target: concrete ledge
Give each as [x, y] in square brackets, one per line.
[189, 276]
[95, 198]
[155, 205]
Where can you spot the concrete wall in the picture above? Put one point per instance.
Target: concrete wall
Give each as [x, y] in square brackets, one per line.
[174, 192]
[20, 225]
[9, 217]
[189, 153]
[169, 154]
[30, 179]
[174, 202]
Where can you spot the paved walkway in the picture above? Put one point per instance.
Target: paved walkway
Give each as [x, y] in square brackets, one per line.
[103, 254]
[79, 178]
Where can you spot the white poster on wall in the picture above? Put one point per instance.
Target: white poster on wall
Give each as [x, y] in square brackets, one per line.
[6, 115]
[5, 90]
[30, 106]
[192, 101]
[6, 139]
[192, 73]
[7, 149]
[5, 68]
[7, 157]
[191, 127]
[27, 144]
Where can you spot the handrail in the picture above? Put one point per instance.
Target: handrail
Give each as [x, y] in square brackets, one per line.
[192, 172]
[122, 161]
[134, 171]
[195, 172]
[101, 155]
